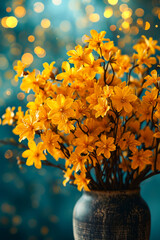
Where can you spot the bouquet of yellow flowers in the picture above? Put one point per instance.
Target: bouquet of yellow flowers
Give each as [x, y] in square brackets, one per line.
[101, 115]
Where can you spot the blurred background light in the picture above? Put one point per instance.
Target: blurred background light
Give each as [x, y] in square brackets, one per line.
[113, 2]
[27, 58]
[56, 2]
[38, 7]
[20, 11]
[108, 12]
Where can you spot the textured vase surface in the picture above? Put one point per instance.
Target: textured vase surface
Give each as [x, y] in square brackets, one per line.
[113, 215]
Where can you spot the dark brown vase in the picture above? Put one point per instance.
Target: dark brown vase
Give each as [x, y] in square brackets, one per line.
[112, 215]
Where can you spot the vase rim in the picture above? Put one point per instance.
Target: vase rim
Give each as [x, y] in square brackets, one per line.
[114, 192]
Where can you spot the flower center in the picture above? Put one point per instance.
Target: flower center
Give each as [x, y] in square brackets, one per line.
[123, 100]
[37, 155]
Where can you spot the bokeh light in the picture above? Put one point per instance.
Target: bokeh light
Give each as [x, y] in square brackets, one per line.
[125, 25]
[45, 23]
[38, 7]
[89, 9]
[20, 11]
[139, 12]
[108, 12]
[123, 7]
[65, 26]
[27, 58]
[94, 17]
[57, 2]
[113, 28]
[40, 51]
[147, 25]
[31, 38]
[3, 62]
[9, 22]
[127, 13]
[113, 2]
[8, 9]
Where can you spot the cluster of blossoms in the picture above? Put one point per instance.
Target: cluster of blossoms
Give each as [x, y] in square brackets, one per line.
[101, 114]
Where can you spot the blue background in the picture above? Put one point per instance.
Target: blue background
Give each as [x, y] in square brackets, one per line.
[34, 204]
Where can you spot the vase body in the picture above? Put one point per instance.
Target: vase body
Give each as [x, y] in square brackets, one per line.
[113, 215]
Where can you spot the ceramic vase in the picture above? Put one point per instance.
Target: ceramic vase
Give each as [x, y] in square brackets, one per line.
[112, 215]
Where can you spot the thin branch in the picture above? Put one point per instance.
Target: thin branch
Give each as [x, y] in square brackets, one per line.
[130, 72]
[79, 124]
[112, 75]
[47, 163]
[105, 70]
[14, 143]
[64, 149]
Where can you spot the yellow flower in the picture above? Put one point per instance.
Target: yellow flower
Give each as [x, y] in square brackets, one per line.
[78, 86]
[32, 82]
[143, 58]
[34, 155]
[66, 126]
[27, 127]
[8, 117]
[93, 98]
[146, 136]
[128, 141]
[93, 126]
[19, 69]
[50, 141]
[60, 109]
[79, 56]
[123, 98]
[101, 108]
[34, 106]
[80, 109]
[94, 67]
[47, 90]
[122, 64]
[47, 72]
[105, 146]
[84, 144]
[69, 74]
[65, 91]
[77, 161]
[81, 181]
[145, 112]
[108, 50]
[148, 44]
[153, 79]
[19, 115]
[96, 40]
[68, 175]
[107, 91]
[151, 96]
[140, 159]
